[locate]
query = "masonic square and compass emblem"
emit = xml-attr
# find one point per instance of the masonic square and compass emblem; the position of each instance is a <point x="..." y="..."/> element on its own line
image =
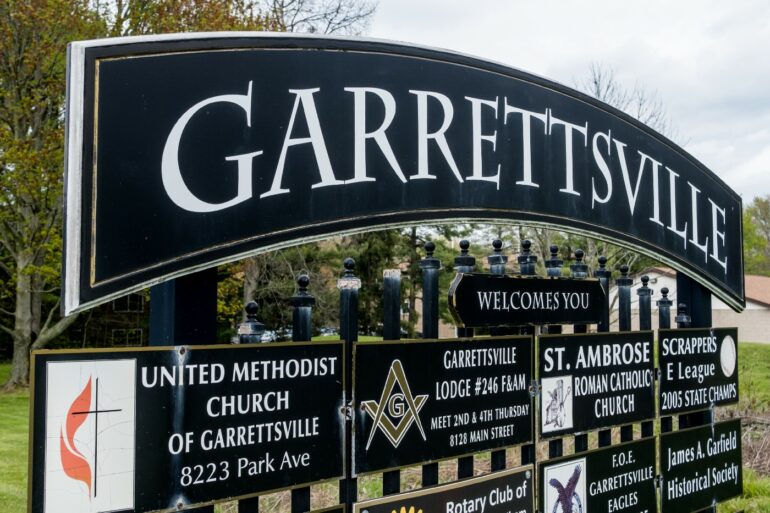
<point x="397" y="408"/>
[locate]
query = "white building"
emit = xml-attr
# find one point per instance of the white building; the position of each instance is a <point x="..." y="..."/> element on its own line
<point x="753" y="323"/>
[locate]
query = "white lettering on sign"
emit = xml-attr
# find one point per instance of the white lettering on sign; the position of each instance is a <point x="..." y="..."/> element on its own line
<point x="612" y="158"/>
<point x="612" y="354"/>
<point x="496" y="300"/>
<point x="172" y="175"/>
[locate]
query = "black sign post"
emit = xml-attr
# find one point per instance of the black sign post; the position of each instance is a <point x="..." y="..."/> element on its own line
<point x="171" y="428"/>
<point x="188" y="168"/>
<point x="698" y="368"/>
<point x="700" y="466"/>
<point x="480" y="300"/>
<point x="422" y="401"/>
<point x="509" y="491"/>
<point x="592" y="381"/>
<point x="620" y="478"/>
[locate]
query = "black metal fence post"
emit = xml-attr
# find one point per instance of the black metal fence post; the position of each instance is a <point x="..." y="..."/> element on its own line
<point x="604" y="275"/>
<point x="250" y="332"/>
<point x="553" y="270"/>
<point x="348" y="286"/>
<point x="302" y="331"/>
<point x="464" y="263"/>
<point x="527" y="263"/>
<point x="497" y="266"/>
<point x="391" y="304"/>
<point x="645" y="304"/>
<point x="497" y="263"/>
<point x="698" y="298"/>
<point x="391" y="330"/>
<point x="527" y="260"/>
<point x="664" y="310"/>
<point x="623" y="284"/>
<point x="682" y="319"/>
<point x="624" y="324"/>
<point x="430" y="268"/>
<point x="302" y="319"/>
<point x="497" y="260"/>
<point x="645" y="323"/>
<point x="183" y="311"/>
<point x="579" y="270"/>
<point x="664" y="323"/>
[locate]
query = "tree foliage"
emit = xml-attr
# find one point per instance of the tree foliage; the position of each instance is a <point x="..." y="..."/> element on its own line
<point x="33" y="42"/>
<point x="349" y="17"/>
<point x="756" y="236"/>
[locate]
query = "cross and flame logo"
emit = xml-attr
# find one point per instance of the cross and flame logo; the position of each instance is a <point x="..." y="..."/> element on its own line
<point x="90" y="436"/>
<point x="74" y="463"/>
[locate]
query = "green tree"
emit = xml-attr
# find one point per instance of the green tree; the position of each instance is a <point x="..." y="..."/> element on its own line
<point x="756" y="236"/>
<point x="33" y="41"/>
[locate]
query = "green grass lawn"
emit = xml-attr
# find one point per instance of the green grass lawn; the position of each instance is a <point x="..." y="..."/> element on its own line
<point x="754" y="377"/>
<point x="14" y="419"/>
<point x="14" y="422"/>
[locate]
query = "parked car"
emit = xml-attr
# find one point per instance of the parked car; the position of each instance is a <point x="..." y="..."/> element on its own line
<point x="269" y="336"/>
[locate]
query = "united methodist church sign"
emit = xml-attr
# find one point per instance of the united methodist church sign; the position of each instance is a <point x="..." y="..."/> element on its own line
<point x="191" y="150"/>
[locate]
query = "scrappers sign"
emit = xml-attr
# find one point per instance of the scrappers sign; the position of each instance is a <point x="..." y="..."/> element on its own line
<point x="187" y="151"/>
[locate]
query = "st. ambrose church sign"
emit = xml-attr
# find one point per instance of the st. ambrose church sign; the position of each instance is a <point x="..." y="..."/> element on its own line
<point x="191" y="150"/>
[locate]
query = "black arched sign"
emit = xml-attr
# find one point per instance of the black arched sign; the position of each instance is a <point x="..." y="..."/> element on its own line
<point x="192" y="150"/>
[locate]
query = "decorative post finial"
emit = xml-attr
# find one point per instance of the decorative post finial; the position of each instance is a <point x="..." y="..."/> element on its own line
<point x="554" y="263"/>
<point x="430" y="247"/>
<point x="302" y="282"/>
<point x="251" y="331"/>
<point x="579" y="269"/>
<point x="349" y="265"/>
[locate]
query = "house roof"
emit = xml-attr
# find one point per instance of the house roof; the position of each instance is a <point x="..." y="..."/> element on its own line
<point x="757" y="287"/>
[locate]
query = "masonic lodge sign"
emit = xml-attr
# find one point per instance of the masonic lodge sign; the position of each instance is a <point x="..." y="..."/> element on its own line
<point x="188" y="151"/>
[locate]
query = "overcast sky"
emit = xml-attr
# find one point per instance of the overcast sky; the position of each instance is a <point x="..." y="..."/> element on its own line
<point x="708" y="61"/>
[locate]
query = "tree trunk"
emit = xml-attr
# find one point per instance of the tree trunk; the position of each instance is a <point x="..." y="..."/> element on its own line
<point x="24" y="336"/>
<point x="22" y="331"/>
